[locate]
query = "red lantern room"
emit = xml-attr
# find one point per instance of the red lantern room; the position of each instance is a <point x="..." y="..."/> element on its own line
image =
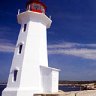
<point x="36" y="6"/>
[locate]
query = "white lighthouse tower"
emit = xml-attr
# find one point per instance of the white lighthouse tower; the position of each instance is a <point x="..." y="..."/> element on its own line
<point x="29" y="73"/>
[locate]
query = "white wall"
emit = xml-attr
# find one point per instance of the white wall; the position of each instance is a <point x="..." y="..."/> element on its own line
<point x="49" y="78"/>
<point x="55" y="80"/>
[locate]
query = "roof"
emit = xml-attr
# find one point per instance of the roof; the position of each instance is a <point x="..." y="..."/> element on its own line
<point x="36" y="1"/>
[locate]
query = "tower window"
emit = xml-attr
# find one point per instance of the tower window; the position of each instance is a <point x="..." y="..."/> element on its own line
<point x="15" y="75"/>
<point x="20" y="48"/>
<point x="37" y="7"/>
<point x="25" y="26"/>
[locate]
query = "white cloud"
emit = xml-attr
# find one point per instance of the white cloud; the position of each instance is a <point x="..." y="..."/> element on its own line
<point x="87" y="51"/>
<point x="6" y="46"/>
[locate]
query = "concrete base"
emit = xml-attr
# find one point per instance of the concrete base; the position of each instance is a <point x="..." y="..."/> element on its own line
<point x="9" y="92"/>
<point x="19" y="92"/>
<point x="49" y="83"/>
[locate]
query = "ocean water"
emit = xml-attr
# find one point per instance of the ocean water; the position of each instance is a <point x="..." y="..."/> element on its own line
<point x="64" y="88"/>
<point x="69" y="88"/>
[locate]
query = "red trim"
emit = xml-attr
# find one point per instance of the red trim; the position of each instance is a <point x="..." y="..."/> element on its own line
<point x="39" y="11"/>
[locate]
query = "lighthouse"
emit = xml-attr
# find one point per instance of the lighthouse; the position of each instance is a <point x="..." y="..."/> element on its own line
<point x="30" y="73"/>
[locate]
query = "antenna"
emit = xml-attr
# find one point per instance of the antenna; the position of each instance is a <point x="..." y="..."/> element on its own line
<point x="18" y="11"/>
<point x="50" y="16"/>
<point x="29" y="7"/>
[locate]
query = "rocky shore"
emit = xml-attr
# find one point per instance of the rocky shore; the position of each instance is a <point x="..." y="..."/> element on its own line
<point x="72" y="93"/>
<point x="80" y="93"/>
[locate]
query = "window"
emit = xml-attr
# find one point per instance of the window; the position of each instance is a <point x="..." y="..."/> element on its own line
<point x="20" y="48"/>
<point x="37" y="7"/>
<point x="25" y="26"/>
<point x="15" y="75"/>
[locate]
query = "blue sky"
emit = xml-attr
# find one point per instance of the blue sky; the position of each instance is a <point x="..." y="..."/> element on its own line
<point x="71" y="38"/>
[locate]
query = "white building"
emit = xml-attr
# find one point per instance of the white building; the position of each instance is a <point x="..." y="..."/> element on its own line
<point x="29" y="73"/>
